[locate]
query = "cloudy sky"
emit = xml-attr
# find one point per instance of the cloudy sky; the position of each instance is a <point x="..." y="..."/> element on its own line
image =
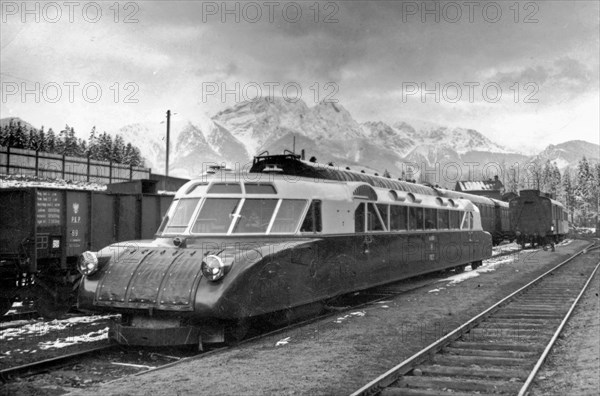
<point x="525" y="76"/>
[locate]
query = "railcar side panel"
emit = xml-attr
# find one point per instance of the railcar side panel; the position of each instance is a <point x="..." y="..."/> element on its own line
<point x="102" y="221"/>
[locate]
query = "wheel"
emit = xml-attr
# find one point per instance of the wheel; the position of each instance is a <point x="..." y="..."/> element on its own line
<point x="50" y="307"/>
<point x="459" y="269"/>
<point x="5" y="305"/>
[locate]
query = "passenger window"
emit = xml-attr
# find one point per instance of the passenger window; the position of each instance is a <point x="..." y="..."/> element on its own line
<point x="215" y="216"/>
<point x="225" y="188"/>
<point x="182" y="215"/>
<point x="255" y="216"/>
<point x="359" y="218"/>
<point x="455" y="219"/>
<point x="288" y="216"/>
<point x="373" y="222"/>
<point x="398" y="217"/>
<point x="415" y="218"/>
<point x="312" y="221"/>
<point x="443" y="219"/>
<point x="430" y="219"/>
<point x="383" y="212"/>
<point x="256" y="188"/>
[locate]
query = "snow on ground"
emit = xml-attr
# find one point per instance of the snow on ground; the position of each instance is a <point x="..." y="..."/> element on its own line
<point x="36" y="329"/>
<point x="353" y="314"/>
<point x="72" y="340"/>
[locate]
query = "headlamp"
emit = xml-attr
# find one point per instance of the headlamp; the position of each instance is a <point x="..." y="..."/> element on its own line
<point x="87" y="263"/>
<point x="213" y="267"/>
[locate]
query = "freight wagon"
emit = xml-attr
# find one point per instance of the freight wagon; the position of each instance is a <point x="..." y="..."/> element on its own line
<point x="44" y="230"/>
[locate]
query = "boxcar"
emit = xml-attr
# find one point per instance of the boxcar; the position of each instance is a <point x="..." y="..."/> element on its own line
<point x="537" y="219"/>
<point x="44" y="230"/>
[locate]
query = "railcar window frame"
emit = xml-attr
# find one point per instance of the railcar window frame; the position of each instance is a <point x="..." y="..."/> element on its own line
<point x="316" y="218"/>
<point x="171" y="213"/>
<point x="279" y="210"/>
<point x="394" y="217"/>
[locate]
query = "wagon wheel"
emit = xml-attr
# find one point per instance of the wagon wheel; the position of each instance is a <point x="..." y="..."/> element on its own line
<point x="5" y="304"/>
<point x="50" y="307"/>
<point x="459" y="269"/>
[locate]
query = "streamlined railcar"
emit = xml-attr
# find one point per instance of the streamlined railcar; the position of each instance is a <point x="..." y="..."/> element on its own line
<point x="537" y="219"/>
<point x="272" y="241"/>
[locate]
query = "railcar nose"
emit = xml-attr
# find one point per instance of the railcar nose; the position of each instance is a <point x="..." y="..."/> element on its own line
<point x="158" y="278"/>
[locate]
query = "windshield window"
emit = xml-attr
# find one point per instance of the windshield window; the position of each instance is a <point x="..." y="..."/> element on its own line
<point x="255" y="216"/>
<point x="179" y="220"/>
<point x="288" y="216"/>
<point x="215" y="216"/>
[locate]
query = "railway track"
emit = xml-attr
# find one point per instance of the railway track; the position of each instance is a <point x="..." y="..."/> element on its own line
<point x="49" y="364"/>
<point x="500" y="350"/>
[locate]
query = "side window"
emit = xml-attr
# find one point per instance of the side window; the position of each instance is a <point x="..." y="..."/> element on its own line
<point x="430" y="219"/>
<point x="443" y="219"/>
<point x="359" y="218"/>
<point x="455" y="217"/>
<point x="383" y="211"/>
<point x="398" y="217"/>
<point x="288" y="216"/>
<point x="415" y="218"/>
<point x="373" y="222"/>
<point x="312" y="221"/>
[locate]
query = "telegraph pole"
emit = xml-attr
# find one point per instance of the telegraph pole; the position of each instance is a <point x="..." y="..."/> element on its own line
<point x="168" y="140"/>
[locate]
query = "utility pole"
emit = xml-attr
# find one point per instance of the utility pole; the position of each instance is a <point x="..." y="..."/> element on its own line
<point x="168" y="140"/>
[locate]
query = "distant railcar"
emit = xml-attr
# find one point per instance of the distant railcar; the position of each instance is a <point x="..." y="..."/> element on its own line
<point x="537" y="219"/>
<point x="276" y="240"/>
<point x="44" y="230"/>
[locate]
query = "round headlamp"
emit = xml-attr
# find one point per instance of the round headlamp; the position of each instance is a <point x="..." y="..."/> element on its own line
<point x="213" y="268"/>
<point x="87" y="263"/>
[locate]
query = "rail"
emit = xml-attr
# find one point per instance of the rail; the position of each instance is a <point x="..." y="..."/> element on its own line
<point x="405" y="367"/>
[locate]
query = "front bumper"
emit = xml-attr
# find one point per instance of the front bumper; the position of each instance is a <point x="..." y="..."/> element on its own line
<point x="170" y="336"/>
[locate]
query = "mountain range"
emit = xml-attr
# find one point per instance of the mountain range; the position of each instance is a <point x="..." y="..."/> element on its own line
<point x="327" y="131"/>
<point x="406" y="148"/>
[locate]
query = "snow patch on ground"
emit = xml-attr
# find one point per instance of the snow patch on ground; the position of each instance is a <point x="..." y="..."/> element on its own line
<point x="101" y="334"/>
<point x="34" y="328"/>
<point x="353" y="314"/>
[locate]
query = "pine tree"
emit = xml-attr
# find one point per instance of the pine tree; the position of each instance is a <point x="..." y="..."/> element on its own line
<point x="568" y="193"/>
<point x="42" y="140"/>
<point x="51" y="143"/>
<point x="118" y="149"/>
<point x="19" y="136"/>
<point x="584" y="189"/>
<point x="33" y="140"/>
<point x="4" y="135"/>
<point x="92" y="149"/>
<point x="105" y="147"/>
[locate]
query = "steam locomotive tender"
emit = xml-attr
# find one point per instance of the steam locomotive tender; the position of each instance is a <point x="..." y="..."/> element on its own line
<point x="283" y="237"/>
<point x="537" y="219"/>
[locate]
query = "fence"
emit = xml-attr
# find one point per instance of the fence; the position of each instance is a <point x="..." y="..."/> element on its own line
<point x="55" y="166"/>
